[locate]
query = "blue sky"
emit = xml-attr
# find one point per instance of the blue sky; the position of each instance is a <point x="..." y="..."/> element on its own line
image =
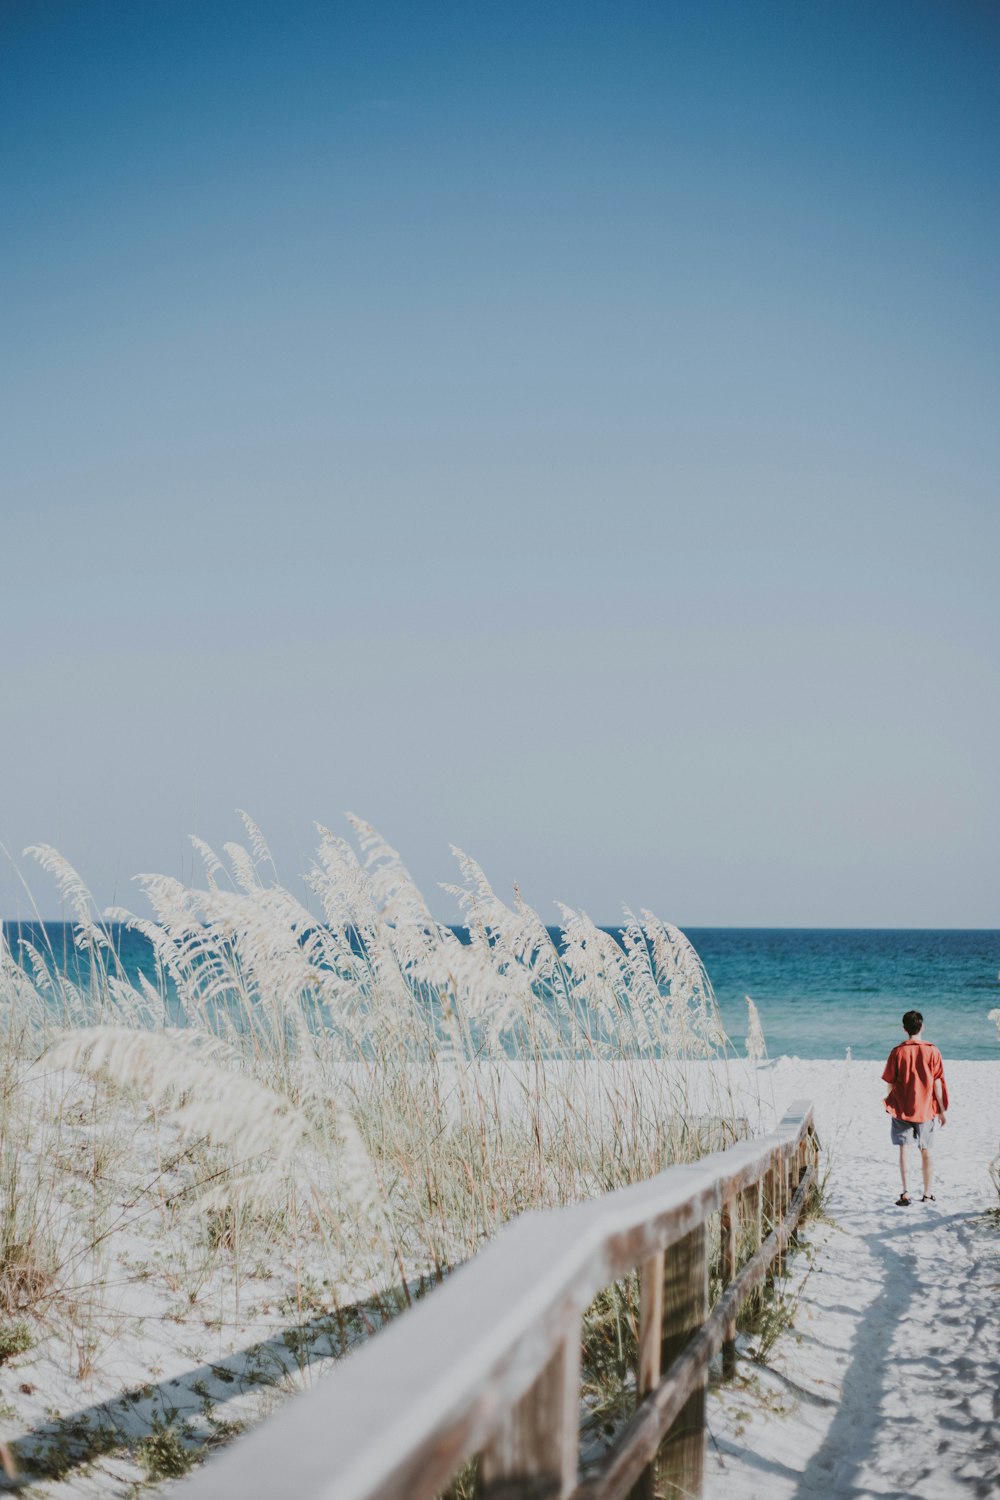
<point x="567" y="431"/>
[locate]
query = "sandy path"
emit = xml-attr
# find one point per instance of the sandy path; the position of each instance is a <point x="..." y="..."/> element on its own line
<point x="889" y="1383"/>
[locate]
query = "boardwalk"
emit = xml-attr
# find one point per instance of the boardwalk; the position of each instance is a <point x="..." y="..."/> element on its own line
<point x="890" y="1384"/>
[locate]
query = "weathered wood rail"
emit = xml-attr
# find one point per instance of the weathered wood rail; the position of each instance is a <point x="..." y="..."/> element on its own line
<point x="490" y="1362"/>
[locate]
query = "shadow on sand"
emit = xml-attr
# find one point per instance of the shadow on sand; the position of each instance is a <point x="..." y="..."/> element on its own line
<point x="876" y="1371"/>
<point x="166" y="1427"/>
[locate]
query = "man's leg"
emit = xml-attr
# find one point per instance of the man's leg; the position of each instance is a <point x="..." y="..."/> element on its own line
<point x="927" y="1167"/>
<point x="902" y="1165"/>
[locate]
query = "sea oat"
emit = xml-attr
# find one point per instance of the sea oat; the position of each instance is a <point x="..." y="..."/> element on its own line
<point x="756" y="1046"/>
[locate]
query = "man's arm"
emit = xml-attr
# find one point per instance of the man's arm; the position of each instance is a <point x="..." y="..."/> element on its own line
<point x="939" y="1096"/>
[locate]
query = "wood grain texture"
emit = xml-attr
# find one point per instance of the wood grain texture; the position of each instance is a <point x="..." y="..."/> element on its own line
<point x="650" y="1324"/>
<point x="533" y="1452"/>
<point x="398" y="1417"/>
<point x="650" y="1352"/>
<point x="728" y="1236"/>
<point x="617" y="1472"/>
<point x="751" y="1214"/>
<point x="680" y="1464"/>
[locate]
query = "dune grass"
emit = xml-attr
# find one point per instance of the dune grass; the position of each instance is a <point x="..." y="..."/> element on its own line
<point x="344" y="1089"/>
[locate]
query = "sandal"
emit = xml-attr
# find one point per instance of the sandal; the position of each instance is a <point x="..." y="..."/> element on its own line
<point x="928" y="1198"/>
<point x="904" y="1200"/>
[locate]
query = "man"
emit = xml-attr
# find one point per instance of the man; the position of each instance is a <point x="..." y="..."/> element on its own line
<point x="917" y="1100"/>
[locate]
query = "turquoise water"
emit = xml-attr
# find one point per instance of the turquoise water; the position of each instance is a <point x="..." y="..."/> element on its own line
<point x="818" y="992"/>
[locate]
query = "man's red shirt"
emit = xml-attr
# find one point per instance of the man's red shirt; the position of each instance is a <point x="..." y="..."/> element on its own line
<point x="910" y="1072"/>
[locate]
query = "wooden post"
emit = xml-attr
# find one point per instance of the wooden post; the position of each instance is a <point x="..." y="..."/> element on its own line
<point x="768" y="1208"/>
<point x="799" y="1164"/>
<point x="650" y="1353"/>
<point x="681" y="1460"/>
<point x="781" y="1164"/>
<point x="812" y="1152"/>
<point x="727" y="1268"/>
<point x="751" y="1214"/>
<point x="650" y="1324"/>
<point x="533" y="1455"/>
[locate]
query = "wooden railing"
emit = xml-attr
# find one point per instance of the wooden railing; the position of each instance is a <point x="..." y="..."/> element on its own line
<point x="489" y="1364"/>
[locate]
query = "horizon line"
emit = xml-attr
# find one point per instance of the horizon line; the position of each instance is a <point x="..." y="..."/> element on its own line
<point x="610" y="926"/>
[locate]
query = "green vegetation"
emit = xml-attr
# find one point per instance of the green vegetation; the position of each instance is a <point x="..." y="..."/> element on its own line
<point x="15" y="1339"/>
<point x="164" y="1455"/>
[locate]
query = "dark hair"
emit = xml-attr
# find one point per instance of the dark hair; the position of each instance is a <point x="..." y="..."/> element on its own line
<point x="912" y="1022"/>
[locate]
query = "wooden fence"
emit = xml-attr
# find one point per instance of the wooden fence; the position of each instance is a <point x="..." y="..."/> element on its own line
<point x="489" y="1364"/>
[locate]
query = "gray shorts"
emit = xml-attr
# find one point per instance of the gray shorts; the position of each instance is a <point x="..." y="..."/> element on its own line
<point x="913" y="1133"/>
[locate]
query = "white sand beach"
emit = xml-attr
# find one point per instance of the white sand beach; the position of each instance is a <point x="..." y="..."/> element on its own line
<point x="888" y="1384"/>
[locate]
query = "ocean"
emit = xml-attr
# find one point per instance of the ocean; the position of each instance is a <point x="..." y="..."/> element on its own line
<point x="818" y="992"/>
